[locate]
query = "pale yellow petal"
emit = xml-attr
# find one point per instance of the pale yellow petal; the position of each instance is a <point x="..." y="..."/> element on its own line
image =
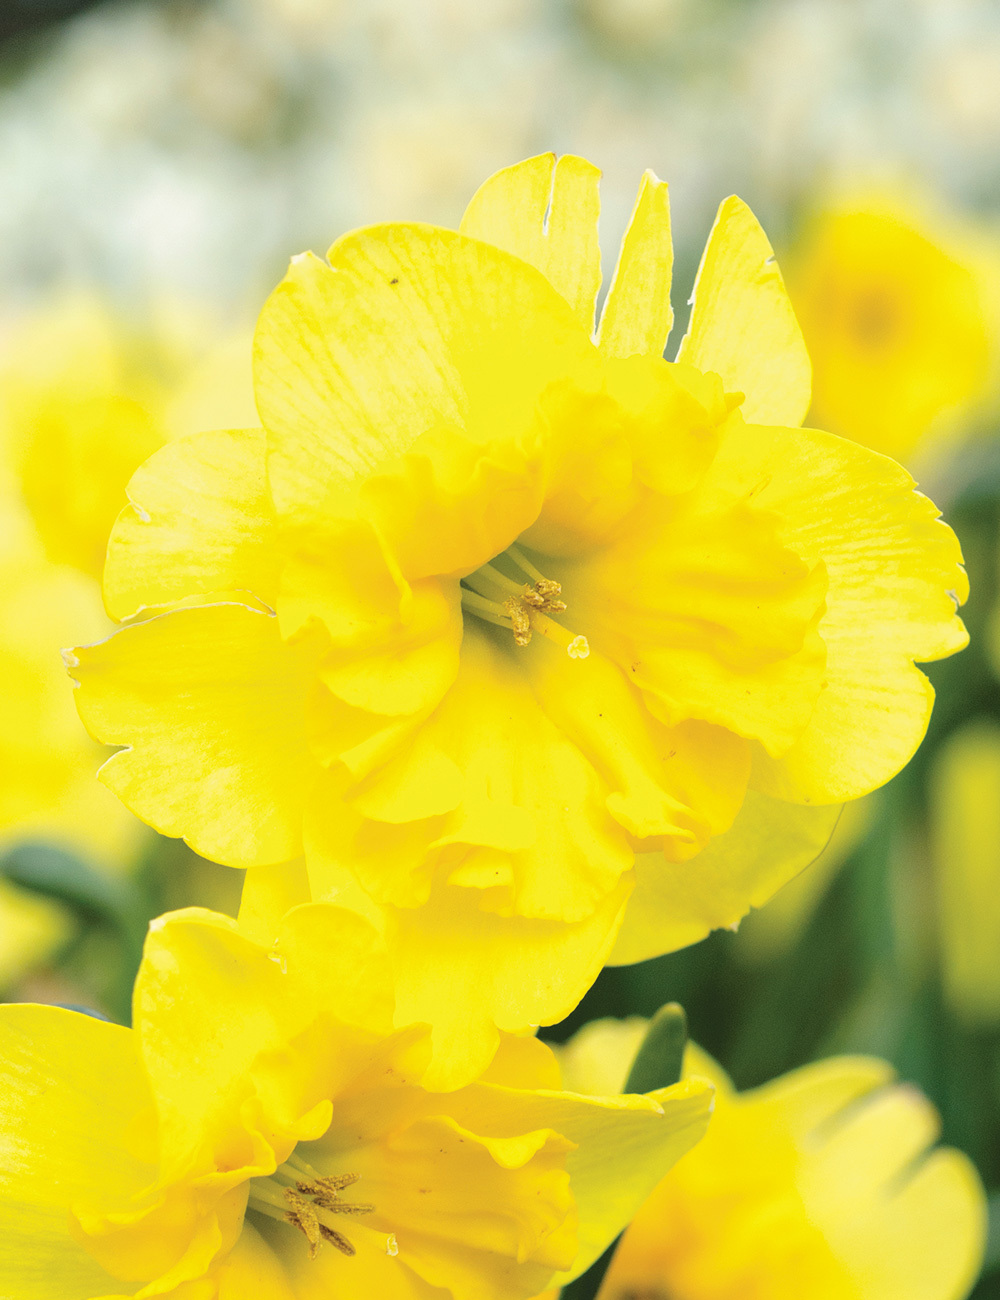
<point x="199" y="522"/>
<point x="544" y="210"/>
<point x="904" y="1222"/>
<point x="637" y="315"/>
<point x="743" y="326"/>
<point x="676" y="904"/>
<point x="211" y="705"/>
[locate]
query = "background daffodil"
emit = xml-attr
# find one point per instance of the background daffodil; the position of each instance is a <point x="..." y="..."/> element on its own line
<point x="823" y="1183"/>
<point x="263" y="1131"/>
<point x="495" y="602"/>
<point x="897" y="311"/>
<point x="86" y="393"/>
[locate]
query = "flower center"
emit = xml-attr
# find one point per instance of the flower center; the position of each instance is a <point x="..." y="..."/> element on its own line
<point x="522" y="604"/>
<point x="298" y="1195"/>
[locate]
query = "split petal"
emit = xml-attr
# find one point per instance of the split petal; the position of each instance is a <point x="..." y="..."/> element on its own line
<point x="743" y="326"/>
<point x="895" y="578"/>
<point x="544" y="210"/>
<point x="199" y="522"/>
<point x="637" y="316"/>
<point x="212" y="706"/>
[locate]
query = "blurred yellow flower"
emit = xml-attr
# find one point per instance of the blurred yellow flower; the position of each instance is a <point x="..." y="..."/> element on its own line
<point x="263" y="1132"/>
<point x="821" y="1184"/>
<point x="494" y="603"/>
<point x="965" y="846"/>
<point x="84" y="399"/>
<point x="897" y="316"/>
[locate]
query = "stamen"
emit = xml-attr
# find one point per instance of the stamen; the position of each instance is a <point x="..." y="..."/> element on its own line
<point x="487" y="609"/>
<point x="520" y="621"/>
<point x="577" y="647"/>
<point x="526" y="606"/>
<point x="337" y="1239"/>
<point x="301" y="1205"/>
<point x="303" y="1216"/>
<point x="524" y="564"/>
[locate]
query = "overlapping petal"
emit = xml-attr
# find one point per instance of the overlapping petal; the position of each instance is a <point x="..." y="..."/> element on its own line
<point x="407" y="330"/>
<point x="677" y="904"/>
<point x="895" y="578"/>
<point x="200" y="522"/>
<point x="212" y="704"/>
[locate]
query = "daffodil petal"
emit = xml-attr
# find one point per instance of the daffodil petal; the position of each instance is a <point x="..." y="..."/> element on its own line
<point x="713" y="616"/>
<point x="637" y="315"/>
<point x="521" y="1185"/>
<point x="467" y="972"/>
<point x="245" y="1005"/>
<point x="408" y="329"/>
<point x="904" y="1221"/>
<point x="743" y="326"/>
<point x="816" y="1184"/>
<point x="544" y="210"/>
<point x="895" y="577"/>
<point x="684" y="784"/>
<point x="676" y="904"/>
<point x="252" y="1268"/>
<point x="624" y="1146"/>
<point x="199" y="521"/>
<point x="927" y="1237"/>
<point x="212" y="706"/>
<point x="71" y="1097"/>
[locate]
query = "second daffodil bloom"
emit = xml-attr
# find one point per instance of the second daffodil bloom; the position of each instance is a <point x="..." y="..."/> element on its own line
<point x="263" y="1133"/>
<point x="824" y="1183"/>
<point x="496" y="601"/>
<point x="897" y="314"/>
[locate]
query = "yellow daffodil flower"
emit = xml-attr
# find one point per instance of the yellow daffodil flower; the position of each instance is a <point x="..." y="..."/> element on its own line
<point x="895" y="309"/>
<point x="264" y="1132"/>
<point x="496" y="601"/>
<point x="822" y="1184"/>
<point x="965" y="849"/>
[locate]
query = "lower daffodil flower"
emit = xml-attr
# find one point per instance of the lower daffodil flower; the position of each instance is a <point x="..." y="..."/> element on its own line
<point x="263" y="1132"/>
<point x="496" y="602"/>
<point x="822" y="1184"/>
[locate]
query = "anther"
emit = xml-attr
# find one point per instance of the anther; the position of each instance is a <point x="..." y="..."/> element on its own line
<point x="337" y="1239"/>
<point x="520" y="621"/>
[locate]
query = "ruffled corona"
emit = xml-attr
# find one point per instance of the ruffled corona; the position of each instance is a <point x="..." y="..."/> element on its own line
<point x="496" y="602"/>
<point x="264" y="1132"/>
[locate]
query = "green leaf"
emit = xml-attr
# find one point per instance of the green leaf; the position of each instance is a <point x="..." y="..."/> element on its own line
<point x="659" y="1061"/>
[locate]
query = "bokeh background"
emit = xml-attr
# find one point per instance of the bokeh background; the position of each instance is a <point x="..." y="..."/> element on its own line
<point x="159" y="163"/>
